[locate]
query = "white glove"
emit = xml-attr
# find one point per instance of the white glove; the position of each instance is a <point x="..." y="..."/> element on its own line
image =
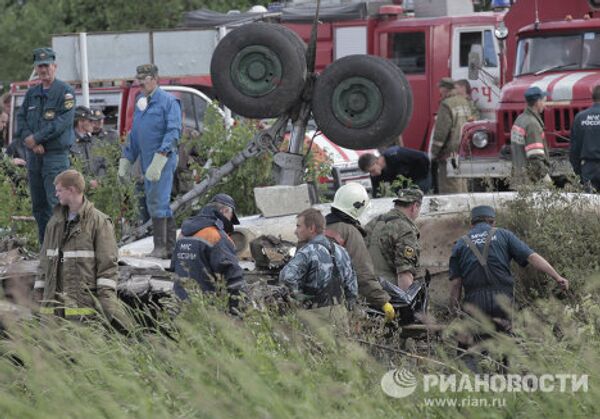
<point x="124" y="168"/>
<point x="156" y="166"/>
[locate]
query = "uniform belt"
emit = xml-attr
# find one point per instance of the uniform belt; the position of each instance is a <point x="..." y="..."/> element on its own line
<point x="68" y="311"/>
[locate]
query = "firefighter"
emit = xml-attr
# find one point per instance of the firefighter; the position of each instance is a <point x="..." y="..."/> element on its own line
<point x="154" y="137"/>
<point x="205" y="251"/>
<point x="529" y="150"/>
<point x="585" y="144"/>
<point x="78" y="260"/>
<point x="86" y="146"/>
<point x="393" y="239"/>
<point x="45" y="121"/>
<point x="453" y="113"/>
<point x="480" y="264"/>
<point x="463" y="88"/>
<point x="320" y="274"/>
<point x="397" y="161"/>
<point x="349" y="203"/>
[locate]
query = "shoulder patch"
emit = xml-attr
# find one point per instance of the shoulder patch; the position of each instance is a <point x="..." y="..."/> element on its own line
<point x="209" y="234"/>
<point x="69" y="101"/>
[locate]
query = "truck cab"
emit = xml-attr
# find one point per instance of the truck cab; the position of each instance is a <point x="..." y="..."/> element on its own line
<point x="561" y="57"/>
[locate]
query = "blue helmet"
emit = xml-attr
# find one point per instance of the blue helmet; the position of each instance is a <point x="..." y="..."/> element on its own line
<point x="500" y="3"/>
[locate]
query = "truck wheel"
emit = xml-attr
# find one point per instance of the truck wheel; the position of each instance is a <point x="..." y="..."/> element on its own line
<point x="361" y="101"/>
<point x="259" y="70"/>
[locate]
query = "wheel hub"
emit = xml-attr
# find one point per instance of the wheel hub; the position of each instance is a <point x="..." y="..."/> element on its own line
<point x="357" y="102"/>
<point x="256" y="70"/>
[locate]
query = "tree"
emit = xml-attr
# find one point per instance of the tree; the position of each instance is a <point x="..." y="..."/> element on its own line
<point x="25" y="25"/>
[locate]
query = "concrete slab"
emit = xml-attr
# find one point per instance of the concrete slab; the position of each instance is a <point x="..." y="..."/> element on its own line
<point x="276" y="201"/>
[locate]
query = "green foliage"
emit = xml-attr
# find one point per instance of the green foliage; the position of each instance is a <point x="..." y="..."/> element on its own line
<point x="25" y="25"/>
<point x="111" y="196"/>
<point x="16" y="202"/>
<point x="563" y="228"/>
<point x="274" y="367"/>
<point x="216" y="146"/>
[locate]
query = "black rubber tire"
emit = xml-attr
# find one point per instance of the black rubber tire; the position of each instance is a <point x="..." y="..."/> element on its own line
<point x="393" y="88"/>
<point x="284" y="92"/>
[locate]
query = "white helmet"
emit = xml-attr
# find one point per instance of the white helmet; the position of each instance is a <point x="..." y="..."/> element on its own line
<point x="258" y="9"/>
<point x="352" y="199"/>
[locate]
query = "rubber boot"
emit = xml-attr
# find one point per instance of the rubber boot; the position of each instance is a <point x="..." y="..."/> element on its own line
<point x="171" y="236"/>
<point x="159" y="225"/>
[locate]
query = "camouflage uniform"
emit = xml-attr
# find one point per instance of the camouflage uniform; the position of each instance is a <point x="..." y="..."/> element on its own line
<point x="393" y="241"/>
<point x="529" y="149"/>
<point x="311" y="273"/>
<point x="454" y="112"/>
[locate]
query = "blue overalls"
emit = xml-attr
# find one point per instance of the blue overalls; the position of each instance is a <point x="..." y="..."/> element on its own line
<point x="156" y="129"/>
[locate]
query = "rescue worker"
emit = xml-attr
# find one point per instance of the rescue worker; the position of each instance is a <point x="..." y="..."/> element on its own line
<point x="320" y="274"/>
<point x="585" y="144"/>
<point x="480" y="264"/>
<point x="154" y="137"/>
<point x="86" y="146"/>
<point x="393" y="239"/>
<point x="78" y="260"/>
<point x="45" y="121"/>
<point x="204" y="252"/>
<point x="453" y="113"/>
<point x="349" y="203"/>
<point x="530" y="158"/>
<point x="463" y="88"/>
<point x="396" y="161"/>
<point x="97" y="117"/>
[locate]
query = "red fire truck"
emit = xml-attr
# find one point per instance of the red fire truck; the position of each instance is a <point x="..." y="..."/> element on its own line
<point x="425" y="42"/>
<point x="555" y="47"/>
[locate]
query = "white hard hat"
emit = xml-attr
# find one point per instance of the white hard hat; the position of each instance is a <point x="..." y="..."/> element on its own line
<point x="352" y="199"/>
<point x="258" y="9"/>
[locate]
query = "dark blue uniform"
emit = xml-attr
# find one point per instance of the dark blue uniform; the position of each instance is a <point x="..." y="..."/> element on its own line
<point x="48" y="115"/>
<point x="481" y="290"/>
<point x="205" y="252"/>
<point x="585" y="146"/>
<point x="401" y="161"/>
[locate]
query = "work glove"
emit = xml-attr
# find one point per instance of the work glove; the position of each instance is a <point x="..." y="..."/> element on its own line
<point x="155" y="169"/>
<point x="390" y="313"/>
<point x="124" y="168"/>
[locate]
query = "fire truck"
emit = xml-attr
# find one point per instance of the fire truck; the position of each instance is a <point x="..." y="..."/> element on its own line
<point x="427" y="41"/>
<point x="555" y="47"/>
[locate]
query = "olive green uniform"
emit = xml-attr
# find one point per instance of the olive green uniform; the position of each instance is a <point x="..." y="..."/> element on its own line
<point x="529" y="150"/>
<point x="368" y="285"/>
<point x="78" y="264"/>
<point x="393" y="242"/>
<point x="454" y="112"/>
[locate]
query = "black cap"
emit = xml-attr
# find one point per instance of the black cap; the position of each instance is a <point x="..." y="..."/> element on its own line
<point x="96" y="114"/>
<point x="43" y="56"/>
<point x="534" y="93"/>
<point x="224" y="199"/>
<point x="483" y="211"/>
<point x="82" y="112"/>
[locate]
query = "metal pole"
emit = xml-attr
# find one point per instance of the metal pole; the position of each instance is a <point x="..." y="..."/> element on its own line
<point x="228" y="117"/>
<point x="85" y="87"/>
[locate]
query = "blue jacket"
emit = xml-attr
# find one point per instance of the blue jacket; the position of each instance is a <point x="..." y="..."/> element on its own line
<point x="203" y="252"/>
<point x="48" y="116"/>
<point x="480" y="290"/>
<point x="156" y="129"/>
<point x="585" y="137"/>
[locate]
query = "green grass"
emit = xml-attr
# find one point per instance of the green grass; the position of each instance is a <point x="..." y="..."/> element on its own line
<point x="272" y="367"/>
